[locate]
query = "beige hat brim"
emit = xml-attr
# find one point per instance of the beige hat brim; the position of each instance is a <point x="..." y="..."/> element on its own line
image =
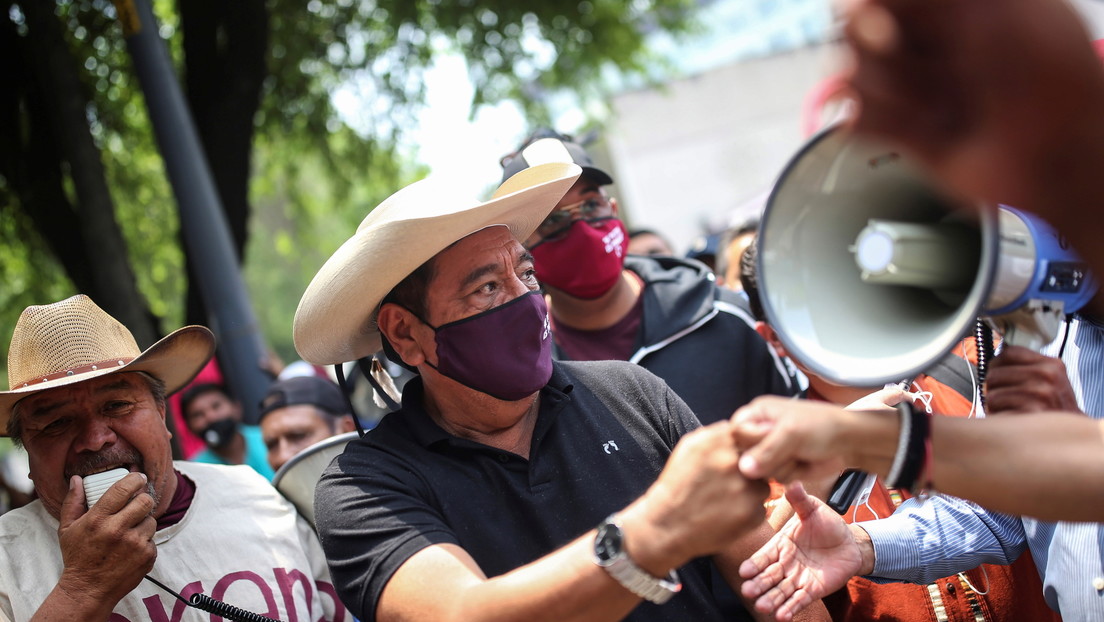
<point x="175" y="360"/>
<point x="335" y="321"/>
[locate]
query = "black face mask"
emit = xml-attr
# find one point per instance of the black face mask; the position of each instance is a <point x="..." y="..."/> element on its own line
<point x="220" y="433"/>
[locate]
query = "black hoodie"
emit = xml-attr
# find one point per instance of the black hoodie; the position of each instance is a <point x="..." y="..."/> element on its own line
<point x="700" y="339"/>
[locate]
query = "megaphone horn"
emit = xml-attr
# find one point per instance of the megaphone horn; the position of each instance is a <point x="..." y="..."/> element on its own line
<point x="869" y="273"/>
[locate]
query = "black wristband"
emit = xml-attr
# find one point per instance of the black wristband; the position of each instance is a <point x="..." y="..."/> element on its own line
<point x="915" y="446"/>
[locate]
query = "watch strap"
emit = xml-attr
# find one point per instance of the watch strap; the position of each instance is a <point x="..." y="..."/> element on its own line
<point x="636" y="579"/>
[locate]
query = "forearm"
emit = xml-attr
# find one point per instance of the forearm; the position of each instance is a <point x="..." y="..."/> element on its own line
<point x="1039" y="465"/>
<point x="444" y="583"/>
<point x="938" y="537"/>
<point x="868" y="439"/>
<point x="565" y="585"/>
<point x="66" y="603"/>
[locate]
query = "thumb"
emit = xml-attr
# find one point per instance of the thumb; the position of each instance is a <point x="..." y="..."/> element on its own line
<point x="73" y="506"/>
<point x="802" y="503"/>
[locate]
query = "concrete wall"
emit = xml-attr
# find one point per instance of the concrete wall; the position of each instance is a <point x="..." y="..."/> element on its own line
<point x="686" y="156"/>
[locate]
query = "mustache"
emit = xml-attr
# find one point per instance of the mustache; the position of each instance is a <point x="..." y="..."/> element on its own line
<point x="98" y="461"/>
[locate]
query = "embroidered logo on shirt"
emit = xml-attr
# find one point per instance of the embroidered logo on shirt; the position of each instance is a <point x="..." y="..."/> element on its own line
<point x="606" y="446"/>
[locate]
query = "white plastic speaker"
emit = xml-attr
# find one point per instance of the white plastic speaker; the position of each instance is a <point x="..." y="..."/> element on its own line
<point x="869" y="273"/>
<point x="96" y="485"/>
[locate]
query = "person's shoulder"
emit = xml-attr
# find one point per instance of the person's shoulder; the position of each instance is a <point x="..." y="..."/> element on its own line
<point x="601" y="369"/>
<point x="653" y="268"/>
<point x="612" y="375"/>
<point x="15" y="523"/>
<point x="241" y="474"/>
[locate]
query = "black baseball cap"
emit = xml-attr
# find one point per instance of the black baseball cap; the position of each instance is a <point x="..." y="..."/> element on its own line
<point x="553" y="149"/>
<point x="312" y="390"/>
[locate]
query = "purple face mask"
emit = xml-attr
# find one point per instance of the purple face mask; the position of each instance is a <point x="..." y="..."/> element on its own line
<point x="505" y="352"/>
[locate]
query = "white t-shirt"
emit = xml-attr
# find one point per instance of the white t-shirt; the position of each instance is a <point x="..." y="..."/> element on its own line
<point x="239" y="542"/>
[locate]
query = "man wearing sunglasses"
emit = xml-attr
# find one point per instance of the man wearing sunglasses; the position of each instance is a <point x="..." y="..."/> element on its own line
<point x="663" y="313"/>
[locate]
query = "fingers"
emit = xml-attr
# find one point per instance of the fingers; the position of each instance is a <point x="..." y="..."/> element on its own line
<point x="784" y="599"/>
<point x="881" y="399"/>
<point x="1022" y="380"/>
<point x="788" y="439"/>
<point x="127" y="501"/>
<point x="72" y="507"/>
<point x="701" y="501"/>
<point x="761" y="585"/>
<point x="754" y="427"/>
<point x="121" y="492"/>
<point x="761" y="568"/>
<point x="794" y="605"/>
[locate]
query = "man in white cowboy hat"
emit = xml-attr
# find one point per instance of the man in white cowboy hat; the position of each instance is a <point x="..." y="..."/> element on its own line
<point x="508" y="486"/>
<point x="83" y="400"/>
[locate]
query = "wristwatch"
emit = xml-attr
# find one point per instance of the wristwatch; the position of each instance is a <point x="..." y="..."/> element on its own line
<point x="609" y="553"/>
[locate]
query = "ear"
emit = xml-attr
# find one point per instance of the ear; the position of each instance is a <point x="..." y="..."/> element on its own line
<point x="400" y="327"/>
<point x="771" y="337"/>
<point x="613" y="206"/>
<point x="346" y="424"/>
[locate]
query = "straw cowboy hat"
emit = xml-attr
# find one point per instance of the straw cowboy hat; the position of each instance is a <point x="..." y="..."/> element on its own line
<point x="74" y="340"/>
<point x="336" y="318"/>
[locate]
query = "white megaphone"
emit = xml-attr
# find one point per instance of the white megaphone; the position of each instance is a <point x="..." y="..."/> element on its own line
<point x="870" y="274"/>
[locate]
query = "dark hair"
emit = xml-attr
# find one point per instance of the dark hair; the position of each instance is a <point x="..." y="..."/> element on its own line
<point x="412" y="294"/>
<point x="15" y="421"/>
<point x="749" y="277"/>
<point x="720" y="264"/>
<point x="194" y="391"/>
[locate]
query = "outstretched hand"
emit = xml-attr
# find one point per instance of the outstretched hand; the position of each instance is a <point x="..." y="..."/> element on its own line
<point x="812" y="556"/>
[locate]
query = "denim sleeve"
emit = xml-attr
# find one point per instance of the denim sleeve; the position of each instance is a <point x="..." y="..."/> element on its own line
<point x="941" y="536"/>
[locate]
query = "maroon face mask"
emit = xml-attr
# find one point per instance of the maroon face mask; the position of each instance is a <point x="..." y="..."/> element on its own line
<point x="505" y="352"/>
<point x="587" y="261"/>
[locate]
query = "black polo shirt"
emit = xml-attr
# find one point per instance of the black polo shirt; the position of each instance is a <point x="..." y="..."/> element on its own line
<point x="603" y="433"/>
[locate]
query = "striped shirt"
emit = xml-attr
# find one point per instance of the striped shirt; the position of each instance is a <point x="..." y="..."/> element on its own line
<point x="922" y="542"/>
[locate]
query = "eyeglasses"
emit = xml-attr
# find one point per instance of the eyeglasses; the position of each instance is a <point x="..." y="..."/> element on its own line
<point x="559" y="221"/>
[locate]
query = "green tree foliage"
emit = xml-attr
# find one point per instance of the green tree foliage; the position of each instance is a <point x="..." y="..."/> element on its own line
<point x="81" y="181"/>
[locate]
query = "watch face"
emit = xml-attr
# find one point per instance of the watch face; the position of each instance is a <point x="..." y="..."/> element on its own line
<point x="607" y="544"/>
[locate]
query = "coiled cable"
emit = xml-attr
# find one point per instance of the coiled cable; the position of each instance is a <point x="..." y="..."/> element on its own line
<point x="210" y="605"/>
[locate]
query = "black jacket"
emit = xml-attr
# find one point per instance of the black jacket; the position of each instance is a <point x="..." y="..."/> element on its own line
<point x="700" y="339"/>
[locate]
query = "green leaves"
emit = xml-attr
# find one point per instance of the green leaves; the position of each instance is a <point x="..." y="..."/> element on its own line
<point x="312" y="177"/>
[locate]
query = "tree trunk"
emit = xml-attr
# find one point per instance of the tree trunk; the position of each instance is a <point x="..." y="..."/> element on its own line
<point x="86" y="237"/>
<point x="225" y="44"/>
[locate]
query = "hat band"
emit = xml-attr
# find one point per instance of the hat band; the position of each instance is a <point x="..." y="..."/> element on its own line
<point x="84" y="369"/>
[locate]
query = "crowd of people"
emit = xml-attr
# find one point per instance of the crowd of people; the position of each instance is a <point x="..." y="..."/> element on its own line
<point x="589" y="433"/>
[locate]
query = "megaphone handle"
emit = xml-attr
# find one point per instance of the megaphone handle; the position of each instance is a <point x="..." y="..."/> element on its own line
<point x="846" y="489"/>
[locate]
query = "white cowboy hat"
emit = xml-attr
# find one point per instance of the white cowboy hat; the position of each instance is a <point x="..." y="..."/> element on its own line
<point x="74" y="340"/>
<point x="336" y="318"/>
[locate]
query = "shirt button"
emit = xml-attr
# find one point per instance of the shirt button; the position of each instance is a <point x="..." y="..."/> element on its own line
<point x="950" y="588"/>
<point x="1098" y="584"/>
<point x="503" y="458"/>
